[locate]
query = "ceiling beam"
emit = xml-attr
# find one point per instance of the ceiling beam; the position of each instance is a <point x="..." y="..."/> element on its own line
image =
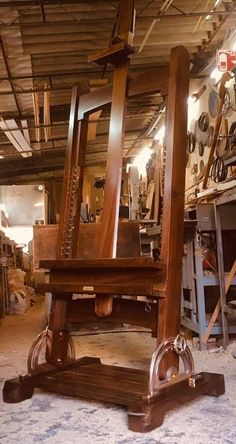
<point x="25" y="3"/>
<point x="16" y="92"/>
<point x="111" y="20"/>
<point x="65" y="123"/>
<point x="68" y="74"/>
<point x="9" y="76"/>
<point x="51" y="74"/>
<point x="45" y="166"/>
<point x="32" y="178"/>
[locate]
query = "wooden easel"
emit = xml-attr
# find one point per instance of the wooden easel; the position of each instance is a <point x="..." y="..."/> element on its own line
<point x="113" y="269"/>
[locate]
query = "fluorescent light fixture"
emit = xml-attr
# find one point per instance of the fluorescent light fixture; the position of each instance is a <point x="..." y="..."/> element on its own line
<point x="16" y="137"/>
<point x="160" y="134"/>
<point x="141" y="160"/>
<point x="1" y="157"/>
<point x="208" y="17"/>
<point x="217" y="3"/>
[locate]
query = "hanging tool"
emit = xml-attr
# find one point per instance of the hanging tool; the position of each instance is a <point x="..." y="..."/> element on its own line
<point x="222" y="91"/>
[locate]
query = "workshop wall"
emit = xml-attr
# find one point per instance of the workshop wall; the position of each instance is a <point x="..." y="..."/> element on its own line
<point x="207" y="103"/>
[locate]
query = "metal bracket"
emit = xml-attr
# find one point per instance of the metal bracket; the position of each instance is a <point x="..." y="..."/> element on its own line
<point x="38" y="348"/>
<point x="179" y="346"/>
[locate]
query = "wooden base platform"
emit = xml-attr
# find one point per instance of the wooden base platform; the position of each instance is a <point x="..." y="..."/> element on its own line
<point x="89" y="378"/>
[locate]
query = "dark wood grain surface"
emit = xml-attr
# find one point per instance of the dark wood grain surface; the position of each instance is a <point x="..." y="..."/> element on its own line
<point x="45" y="239"/>
<point x="118" y="385"/>
<point x="173" y="209"/>
<point x="114" y="263"/>
<point x="126" y="311"/>
<point x="153" y="80"/>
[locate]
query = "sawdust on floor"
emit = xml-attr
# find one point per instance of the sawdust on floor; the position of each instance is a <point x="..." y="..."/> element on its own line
<point x="53" y="419"/>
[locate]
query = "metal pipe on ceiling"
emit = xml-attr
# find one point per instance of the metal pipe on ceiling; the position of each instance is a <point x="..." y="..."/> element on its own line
<point x="16" y="92"/>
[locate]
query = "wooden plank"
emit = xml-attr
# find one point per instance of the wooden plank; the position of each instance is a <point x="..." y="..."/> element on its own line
<point x="106" y="276"/>
<point x="173" y="210"/>
<point x="112" y="54"/>
<point x="220" y="260"/>
<point x="124" y="311"/>
<point x="35" y="99"/>
<point x="111" y="202"/>
<point x="132" y="262"/>
<point x="119" y="385"/>
<point x="92" y="129"/>
<point x="154" y="80"/>
<point x="230" y="277"/>
<point x="46" y="112"/>
<point x="139" y="376"/>
<point x="125" y="23"/>
<point x="112" y="289"/>
<point x="112" y="388"/>
<point x="216" y="312"/>
<point x="150" y="81"/>
<point x="110" y="213"/>
<point x="45" y="240"/>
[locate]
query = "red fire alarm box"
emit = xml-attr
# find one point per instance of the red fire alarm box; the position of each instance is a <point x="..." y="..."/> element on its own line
<point x="226" y="60"/>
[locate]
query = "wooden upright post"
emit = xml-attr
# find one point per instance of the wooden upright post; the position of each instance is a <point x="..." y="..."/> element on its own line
<point x="111" y="203"/>
<point x="173" y="211"/>
<point x="73" y="182"/>
<point x="110" y="214"/>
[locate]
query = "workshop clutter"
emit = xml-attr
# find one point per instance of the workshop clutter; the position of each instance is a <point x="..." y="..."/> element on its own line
<point x="19" y="300"/>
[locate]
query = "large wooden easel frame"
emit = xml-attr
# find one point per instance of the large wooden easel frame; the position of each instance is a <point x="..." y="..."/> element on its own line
<point x="148" y="395"/>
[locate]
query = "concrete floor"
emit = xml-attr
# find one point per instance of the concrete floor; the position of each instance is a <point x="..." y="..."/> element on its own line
<point x="51" y="419"/>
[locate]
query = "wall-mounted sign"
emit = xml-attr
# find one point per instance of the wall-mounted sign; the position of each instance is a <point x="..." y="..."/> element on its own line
<point x="226" y="60"/>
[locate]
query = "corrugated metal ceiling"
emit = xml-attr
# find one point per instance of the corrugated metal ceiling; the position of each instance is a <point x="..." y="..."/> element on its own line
<point x="49" y="42"/>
